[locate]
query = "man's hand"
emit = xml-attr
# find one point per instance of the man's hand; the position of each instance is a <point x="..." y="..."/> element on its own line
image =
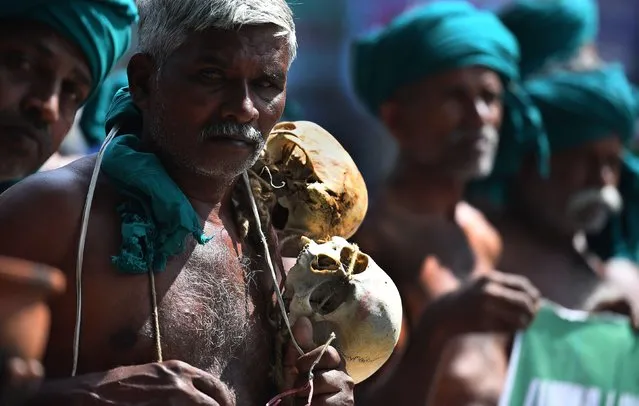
<point x="492" y="302"/>
<point x="331" y="385"/>
<point x="173" y="383"/>
<point x="609" y="298"/>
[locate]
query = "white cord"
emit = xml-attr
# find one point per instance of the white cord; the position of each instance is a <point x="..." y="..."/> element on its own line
<point x="81" y="243"/>
<point x="267" y="253"/>
<point x="156" y="317"/>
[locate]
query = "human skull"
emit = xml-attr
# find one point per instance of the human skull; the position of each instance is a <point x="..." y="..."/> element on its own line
<point x="319" y="191"/>
<point x="342" y="290"/>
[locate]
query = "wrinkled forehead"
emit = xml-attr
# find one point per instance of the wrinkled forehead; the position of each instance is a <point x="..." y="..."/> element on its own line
<point x="262" y="45"/>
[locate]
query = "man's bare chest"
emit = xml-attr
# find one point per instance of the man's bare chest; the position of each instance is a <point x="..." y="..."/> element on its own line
<point x="209" y="309"/>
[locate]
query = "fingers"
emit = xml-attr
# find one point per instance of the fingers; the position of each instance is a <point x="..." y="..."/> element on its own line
<point x="327" y="384"/>
<point x="330" y="360"/>
<point x="512" y="299"/>
<point x="303" y="333"/>
<point x="212" y="391"/>
<point x="213" y="388"/>
<point x="515" y="282"/>
<point x="504" y="318"/>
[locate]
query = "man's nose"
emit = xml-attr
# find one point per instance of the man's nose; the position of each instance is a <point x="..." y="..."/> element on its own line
<point x="607" y="176"/>
<point x="478" y="114"/>
<point x="239" y="105"/>
<point x="45" y="102"/>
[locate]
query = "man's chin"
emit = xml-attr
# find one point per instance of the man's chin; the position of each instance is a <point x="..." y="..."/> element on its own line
<point x="11" y="169"/>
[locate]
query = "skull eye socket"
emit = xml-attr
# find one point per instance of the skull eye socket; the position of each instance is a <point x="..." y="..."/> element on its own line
<point x="325" y="263"/>
<point x="328" y="296"/>
<point x="361" y="261"/>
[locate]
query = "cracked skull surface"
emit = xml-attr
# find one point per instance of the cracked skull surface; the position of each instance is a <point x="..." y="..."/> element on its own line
<point x="319" y="191"/>
<point x="342" y="290"/>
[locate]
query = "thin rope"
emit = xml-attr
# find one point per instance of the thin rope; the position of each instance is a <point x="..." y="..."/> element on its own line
<point x="156" y="318"/>
<point x="81" y="244"/>
<point x="267" y="253"/>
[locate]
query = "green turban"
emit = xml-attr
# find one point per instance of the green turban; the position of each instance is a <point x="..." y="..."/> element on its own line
<point x="550" y="30"/>
<point x="578" y="107"/>
<point x="101" y="28"/>
<point x="428" y="40"/>
<point x="446" y="35"/>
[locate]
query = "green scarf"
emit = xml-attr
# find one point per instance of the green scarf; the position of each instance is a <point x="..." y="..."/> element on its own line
<point x="156" y="216"/>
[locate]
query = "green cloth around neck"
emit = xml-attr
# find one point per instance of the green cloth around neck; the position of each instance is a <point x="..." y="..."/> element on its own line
<point x="101" y="28"/>
<point x="550" y="31"/>
<point x="156" y="215"/>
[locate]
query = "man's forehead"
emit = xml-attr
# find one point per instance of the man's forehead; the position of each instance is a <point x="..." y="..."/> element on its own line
<point x="48" y="43"/>
<point x="259" y="43"/>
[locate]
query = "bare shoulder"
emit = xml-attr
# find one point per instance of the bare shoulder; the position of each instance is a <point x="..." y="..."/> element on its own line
<point x="481" y="234"/>
<point x="41" y="214"/>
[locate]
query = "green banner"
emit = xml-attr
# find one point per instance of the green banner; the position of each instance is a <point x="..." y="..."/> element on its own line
<point x="572" y="358"/>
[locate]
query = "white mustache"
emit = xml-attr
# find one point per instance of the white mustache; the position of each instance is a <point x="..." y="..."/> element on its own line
<point x="608" y="196"/>
<point x="488" y="134"/>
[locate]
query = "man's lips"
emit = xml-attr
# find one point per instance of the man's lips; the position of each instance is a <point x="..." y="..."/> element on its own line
<point x="23" y="131"/>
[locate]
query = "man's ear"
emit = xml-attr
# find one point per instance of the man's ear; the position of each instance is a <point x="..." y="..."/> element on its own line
<point x="141" y="71"/>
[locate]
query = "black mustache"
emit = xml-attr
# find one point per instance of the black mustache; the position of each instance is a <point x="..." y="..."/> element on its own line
<point x="240" y="132"/>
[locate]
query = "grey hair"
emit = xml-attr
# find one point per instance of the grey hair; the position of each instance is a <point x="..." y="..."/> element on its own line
<point x="165" y="24"/>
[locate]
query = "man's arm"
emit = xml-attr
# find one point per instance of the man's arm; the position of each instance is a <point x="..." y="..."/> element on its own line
<point x="38" y="218"/>
<point x="420" y="359"/>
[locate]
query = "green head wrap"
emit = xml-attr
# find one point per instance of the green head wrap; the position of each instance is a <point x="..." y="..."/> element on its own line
<point x="550" y="30"/>
<point x="101" y="28"/>
<point x="428" y="40"/>
<point x="156" y="215"/>
<point x="578" y="107"/>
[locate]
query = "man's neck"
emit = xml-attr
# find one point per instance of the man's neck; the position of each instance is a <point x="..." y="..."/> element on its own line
<point x="425" y="189"/>
<point x="206" y="193"/>
<point x="543" y="234"/>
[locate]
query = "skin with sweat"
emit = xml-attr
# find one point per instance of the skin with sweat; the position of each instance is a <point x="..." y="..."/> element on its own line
<point x="213" y="299"/>
<point x="44" y="79"/>
<point x="439" y="250"/>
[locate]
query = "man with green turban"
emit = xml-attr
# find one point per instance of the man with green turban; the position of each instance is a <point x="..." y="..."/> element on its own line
<point x="53" y="55"/>
<point x="442" y="78"/>
<point x="588" y="117"/>
<point x="553" y="34"/>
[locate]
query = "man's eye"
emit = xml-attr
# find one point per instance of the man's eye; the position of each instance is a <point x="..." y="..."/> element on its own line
<point x="18" y="61"/>
<point x="210" y="74"/>
<point x="73" y="93"/>
<point x="265" y="84"/>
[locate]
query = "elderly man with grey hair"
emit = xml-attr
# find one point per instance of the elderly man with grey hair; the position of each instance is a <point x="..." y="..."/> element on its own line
<point x="172" y="303"/>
